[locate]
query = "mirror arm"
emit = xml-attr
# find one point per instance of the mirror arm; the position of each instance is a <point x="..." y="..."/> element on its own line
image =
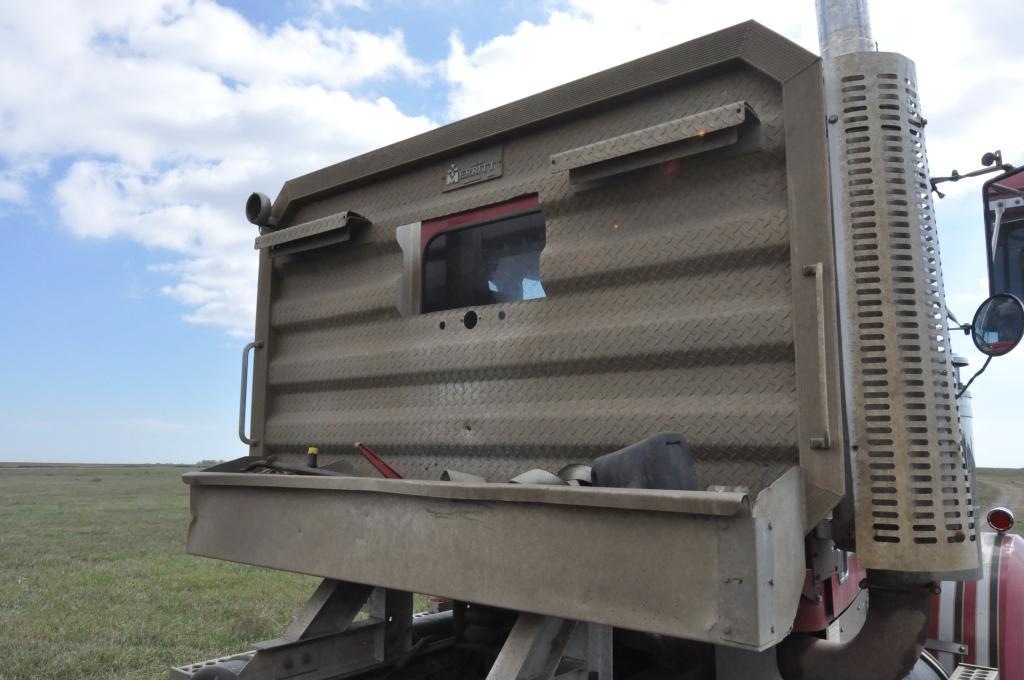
<point x="956" y="176"/>
<point x="965" y="327"/>
<point x="968" y="383"/>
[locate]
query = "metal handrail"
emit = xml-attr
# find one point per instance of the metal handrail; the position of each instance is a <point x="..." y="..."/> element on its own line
<point x="245" y="388"/>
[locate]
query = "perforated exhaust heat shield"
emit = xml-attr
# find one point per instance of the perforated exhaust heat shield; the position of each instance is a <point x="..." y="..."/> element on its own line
<point x="914" y="486"/>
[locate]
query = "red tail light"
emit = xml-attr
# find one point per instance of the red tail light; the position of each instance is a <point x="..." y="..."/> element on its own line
<point x="1000" y="519"/>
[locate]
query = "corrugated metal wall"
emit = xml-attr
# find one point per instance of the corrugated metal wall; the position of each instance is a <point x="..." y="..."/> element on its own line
<point x="669" y="308"/>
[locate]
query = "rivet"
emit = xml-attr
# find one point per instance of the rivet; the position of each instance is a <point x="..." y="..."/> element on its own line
<point x="833" y="118"/>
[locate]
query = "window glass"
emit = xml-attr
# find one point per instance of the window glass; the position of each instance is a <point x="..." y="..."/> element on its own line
<point x="1008" y="264"/>
<point x="484" y="264"/>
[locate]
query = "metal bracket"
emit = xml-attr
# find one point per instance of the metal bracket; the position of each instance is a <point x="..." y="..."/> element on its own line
<point x="698" y="133"/>
<point x="323" y="641"/>
<point x="333" y="605"/>
<point x="545" y="647"/>
<point x="318" y="233"/>
<point x="407" y="293"/>
<point x="849" y="623"/>
<point x="944" y="646"/>
<point x="824" y="441"/>
<point x="245" y="388"/>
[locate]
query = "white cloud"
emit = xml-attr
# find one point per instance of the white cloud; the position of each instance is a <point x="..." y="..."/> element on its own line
<point x="312" y="54"/>
<point x="13" y="180"/>
<point x="12" y="191"/>
<point x="172" y="112"/>
<point x="971" y="85"/>
<point x="580" y="37"/>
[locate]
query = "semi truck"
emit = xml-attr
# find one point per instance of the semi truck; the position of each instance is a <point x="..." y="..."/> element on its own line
<point x="646" y="377"/>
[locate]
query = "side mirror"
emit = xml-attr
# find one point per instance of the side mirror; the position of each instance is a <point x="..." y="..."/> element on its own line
<point x="998" y="325"/>
<point x="1004" y="227"/>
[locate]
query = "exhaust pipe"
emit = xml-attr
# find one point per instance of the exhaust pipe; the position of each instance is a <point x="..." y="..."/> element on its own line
<point x="843" y="27"/>
<point x="888" y="645"/>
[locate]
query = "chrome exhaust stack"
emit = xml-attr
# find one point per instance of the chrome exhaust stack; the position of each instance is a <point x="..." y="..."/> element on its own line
<point x="914" y="505"/>
<point x="912" y="480"/>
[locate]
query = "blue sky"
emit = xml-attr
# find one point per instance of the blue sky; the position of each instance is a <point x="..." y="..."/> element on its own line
<point x="131" y="133"/>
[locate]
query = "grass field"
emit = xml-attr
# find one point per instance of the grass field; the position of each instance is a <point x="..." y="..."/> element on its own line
<point x="1002" y="486"/>
<point x="95" y="582"/>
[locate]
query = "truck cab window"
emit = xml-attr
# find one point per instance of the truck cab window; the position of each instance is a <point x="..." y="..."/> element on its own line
<point x="484" y="263"/>
<point x="1008" y="263"/>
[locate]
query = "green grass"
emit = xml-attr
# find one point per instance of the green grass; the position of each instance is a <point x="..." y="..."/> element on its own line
<point x="1014" y="474"/>
<point x="988" y="496"/>
<point x="95" y="582"/>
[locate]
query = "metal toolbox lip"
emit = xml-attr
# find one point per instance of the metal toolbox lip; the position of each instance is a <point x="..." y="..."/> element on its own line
<point x="714" y="503"/>
<point x="732" y="580"/>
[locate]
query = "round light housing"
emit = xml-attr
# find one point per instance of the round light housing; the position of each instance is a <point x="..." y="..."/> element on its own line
<point x="257" y="209"/>
<point x="1000" y="519"/>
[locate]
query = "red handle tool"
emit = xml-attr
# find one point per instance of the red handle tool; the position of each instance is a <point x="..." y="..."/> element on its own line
<point x="376" y="461"/>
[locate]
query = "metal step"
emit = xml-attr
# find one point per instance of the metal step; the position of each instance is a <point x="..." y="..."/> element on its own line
<point x="968" y="672"/>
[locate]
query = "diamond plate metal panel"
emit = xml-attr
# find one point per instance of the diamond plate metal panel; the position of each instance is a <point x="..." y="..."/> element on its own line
<point x="671" y="306"/>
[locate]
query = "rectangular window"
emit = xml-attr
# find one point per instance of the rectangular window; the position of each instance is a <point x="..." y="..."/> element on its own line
<point x="485" y="261"/>
<point x="1008" y="264"/>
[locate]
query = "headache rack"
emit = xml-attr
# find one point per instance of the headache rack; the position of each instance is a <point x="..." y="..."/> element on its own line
<point x="646" y="250"/>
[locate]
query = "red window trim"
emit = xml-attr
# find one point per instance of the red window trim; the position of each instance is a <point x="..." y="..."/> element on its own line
<point x="431" y="228"/>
